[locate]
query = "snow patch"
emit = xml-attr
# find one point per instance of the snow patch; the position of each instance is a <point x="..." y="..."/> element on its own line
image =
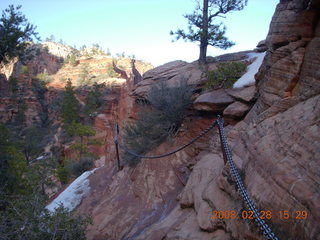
<point x="71" y="197"/>
<point x="248" y="79"/>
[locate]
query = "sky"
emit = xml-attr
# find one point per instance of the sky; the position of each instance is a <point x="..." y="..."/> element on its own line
<point x="141" y="27"/>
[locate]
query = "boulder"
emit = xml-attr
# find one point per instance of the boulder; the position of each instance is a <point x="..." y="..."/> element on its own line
<point x="236" y="110"/>
<point x="173" y="73"/>
<point x="214" y="101"/>
<point x="247" y="94"/>
<point x="262" y="43"/>
<point x="262" y="46"/>
<point x="167" y="70"/>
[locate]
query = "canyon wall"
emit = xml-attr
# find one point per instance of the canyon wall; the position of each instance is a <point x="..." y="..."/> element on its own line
<point x="276" y="148"/>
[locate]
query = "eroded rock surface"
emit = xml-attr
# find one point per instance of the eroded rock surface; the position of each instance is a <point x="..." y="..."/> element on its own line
<point x="140" y="196"/>
<point x="276" y="148"/>
<point x="214" y="101"/>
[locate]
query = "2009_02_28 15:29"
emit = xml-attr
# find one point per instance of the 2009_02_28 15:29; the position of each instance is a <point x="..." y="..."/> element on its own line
<point x="283" y="215"/>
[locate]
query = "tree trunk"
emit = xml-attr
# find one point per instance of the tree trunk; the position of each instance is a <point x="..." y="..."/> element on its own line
<point x="204" y="34"/>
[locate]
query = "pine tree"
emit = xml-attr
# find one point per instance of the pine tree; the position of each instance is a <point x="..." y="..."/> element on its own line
<point x="202" y="27"/>
<point x="31" y="144"/>
<point x="70" y="107"/>
<point x="82" y="133"/>
<point x="93" y="101"/>
<point x="15" y="32"/>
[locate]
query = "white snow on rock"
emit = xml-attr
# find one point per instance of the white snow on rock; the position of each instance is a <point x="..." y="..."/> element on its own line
<point x="248" y="79"/>
<point x="71" y="197"/>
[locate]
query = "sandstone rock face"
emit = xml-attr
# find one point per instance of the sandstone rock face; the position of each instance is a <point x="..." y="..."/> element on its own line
<point x="236" y="110"/>
<point x="290" y="70"/>
<point x="261" y="47"/>
<point x="276" y="149"/>
<point x="172" y="73"/>
<point x="141" y="196"/>
<point x="234" y="103"/>
<point x="99" y="70"/>
<point x="214" y="101"/>
<point x="57" y="49"/>
<point x="247" y="94"/>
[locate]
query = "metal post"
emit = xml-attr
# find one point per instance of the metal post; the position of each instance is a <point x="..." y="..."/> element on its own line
<point x="117" y="147"/>
<point x="220" y="135"/>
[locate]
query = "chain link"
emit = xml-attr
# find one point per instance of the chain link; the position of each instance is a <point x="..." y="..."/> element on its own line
<point x="234" y="171"/>
<point x="172" y="152"/>
<point x="243" y="192"/>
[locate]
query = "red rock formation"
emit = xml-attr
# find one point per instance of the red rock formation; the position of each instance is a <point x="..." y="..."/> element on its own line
<point x="140" y="196"/>
<point x="276" y="149"/>
<point x="136" y="75"/>
<point x="122" y="73"/>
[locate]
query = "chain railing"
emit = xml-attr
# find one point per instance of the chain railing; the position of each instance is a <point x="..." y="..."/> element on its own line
<point x="241" y="188"/>
<point x="204" y="132"/>
<point x="228" y="159"/>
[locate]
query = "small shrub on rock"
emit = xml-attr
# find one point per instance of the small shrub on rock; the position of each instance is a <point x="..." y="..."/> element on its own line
<point x="159" y="120"/>
<point x="25" y="70"/>
<point x="225" y="75"/>
<point x="44" y="77"/>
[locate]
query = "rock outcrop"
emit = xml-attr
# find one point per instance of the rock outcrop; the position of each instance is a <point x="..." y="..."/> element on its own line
<point x="139" y="197"/>
<point x="276" y="149"/>
<point x="214" y="101"/>
<point x="174" y="72"/>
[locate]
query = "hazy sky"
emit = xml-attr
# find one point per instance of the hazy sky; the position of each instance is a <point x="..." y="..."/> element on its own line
<point x="140" y="27"/>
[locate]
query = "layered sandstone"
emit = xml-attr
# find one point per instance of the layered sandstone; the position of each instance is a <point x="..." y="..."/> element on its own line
<point x="276" y="148"/>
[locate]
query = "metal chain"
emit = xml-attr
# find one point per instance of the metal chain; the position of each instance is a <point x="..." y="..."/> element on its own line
<point x="243" y="192"/>
<point x="234" y="171"/>
<point x="172" y="152"/>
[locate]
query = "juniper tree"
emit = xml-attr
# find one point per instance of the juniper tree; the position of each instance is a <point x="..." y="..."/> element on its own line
<point x="203" y="28"/>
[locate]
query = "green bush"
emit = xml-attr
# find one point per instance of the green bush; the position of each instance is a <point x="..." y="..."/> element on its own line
<point x="24" y="70"/>
<point x="12" y="163"/>
<point x="63" y="80"/>
<point x="110" y="71"/>
<point x="84" y="77"/>
<point x="25" y="217"/>
<point x="22" y="198"/>
<point x="167" y="110"/>
<point x="170" y="103"/>
<point x="44" y="77"/>
<point x="225" y="75"/>
<point x="71" y="59"/>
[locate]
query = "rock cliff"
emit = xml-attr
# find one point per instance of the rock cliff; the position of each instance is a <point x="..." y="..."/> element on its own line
<point x="31" y="93"/>
<point x="274" y="137"/>
<point x="276" y="148"/>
